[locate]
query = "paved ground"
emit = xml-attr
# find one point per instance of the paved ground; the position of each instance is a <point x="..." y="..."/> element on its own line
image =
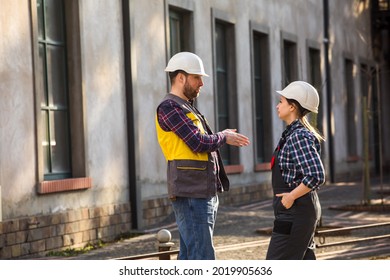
<point x="242" y="233"/>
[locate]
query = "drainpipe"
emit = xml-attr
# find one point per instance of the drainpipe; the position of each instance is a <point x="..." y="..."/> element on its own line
<point x="130" y="115"/>
<point x="1" y="213"/>
<point x="328" y="81"/>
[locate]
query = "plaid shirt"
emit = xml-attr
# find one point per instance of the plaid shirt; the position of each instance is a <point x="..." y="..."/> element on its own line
<point x="299" y="157"/>
<point x="172" y="118"/>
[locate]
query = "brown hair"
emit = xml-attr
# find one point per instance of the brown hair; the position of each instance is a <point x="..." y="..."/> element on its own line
<point x="172" y="75"/>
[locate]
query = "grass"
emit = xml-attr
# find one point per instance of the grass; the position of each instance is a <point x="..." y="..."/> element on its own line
<point x="71" y="252"/>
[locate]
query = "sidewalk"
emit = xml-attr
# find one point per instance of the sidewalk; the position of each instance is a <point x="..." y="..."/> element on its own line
<point x="240" y="232"/>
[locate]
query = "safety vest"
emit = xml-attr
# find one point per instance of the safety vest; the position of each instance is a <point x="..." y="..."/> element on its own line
<point x="190" y="174"/>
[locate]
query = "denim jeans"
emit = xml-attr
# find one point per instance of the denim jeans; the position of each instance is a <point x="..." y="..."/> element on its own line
<point x="195" y="218"/>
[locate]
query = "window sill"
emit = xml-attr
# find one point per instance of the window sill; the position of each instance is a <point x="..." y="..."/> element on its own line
<point x="64" y="185"/>
<point x="266" y="166"/>
<point x="353" y="159"/>
<point x="234" y="169"/>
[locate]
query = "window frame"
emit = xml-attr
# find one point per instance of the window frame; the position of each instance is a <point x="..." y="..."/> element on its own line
<point x="76" y="102"/>
<point x="185" y="19"/>
<point x="262" y="34"/>
<point x="187" y="30"/>
<point x="289" y="50"/>
<point x="315" y="79"/>
<point x="48" y="106"/>
<point x="219" y="18"/>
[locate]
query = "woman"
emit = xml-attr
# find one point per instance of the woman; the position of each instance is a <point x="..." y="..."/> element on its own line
<point x="297" y="172"/>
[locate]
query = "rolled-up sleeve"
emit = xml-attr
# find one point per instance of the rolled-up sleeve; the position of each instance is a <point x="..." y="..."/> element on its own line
<point x="306" y="149"/>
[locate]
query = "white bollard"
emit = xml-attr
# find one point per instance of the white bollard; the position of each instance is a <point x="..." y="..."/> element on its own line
<point x="164" y="238"/>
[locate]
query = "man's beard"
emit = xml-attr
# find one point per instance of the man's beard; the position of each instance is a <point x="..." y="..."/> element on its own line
<point x="190" y="92"/>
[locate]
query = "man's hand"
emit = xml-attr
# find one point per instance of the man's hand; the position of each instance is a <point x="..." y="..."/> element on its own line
<point x="234" y="138"/>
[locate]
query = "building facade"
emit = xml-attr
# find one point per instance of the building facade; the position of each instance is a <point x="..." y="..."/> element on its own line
<point x="81" y="80"/>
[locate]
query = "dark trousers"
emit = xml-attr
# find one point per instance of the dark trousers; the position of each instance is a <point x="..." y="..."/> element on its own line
<point x="294" y="228"/>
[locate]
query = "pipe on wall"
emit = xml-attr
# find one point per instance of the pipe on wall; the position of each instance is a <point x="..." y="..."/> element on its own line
<point x="130" y="114"/>
<point x="328" y="81"/>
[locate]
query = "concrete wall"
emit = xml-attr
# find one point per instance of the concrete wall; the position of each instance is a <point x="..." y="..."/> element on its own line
<point x="17" y="148"/>
<point x="103" y="76"/>
<point x="349" y="38"/>
<point x="103" y="84"/>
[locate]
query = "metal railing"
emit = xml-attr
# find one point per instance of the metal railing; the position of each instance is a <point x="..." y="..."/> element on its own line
<point x="165" y="245"/>
<point x="321" y="234"/>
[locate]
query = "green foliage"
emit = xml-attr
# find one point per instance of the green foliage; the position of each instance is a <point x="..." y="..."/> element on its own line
<point x="70" y="252"/>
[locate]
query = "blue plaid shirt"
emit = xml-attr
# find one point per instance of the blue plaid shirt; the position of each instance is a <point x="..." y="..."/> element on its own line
<point x="299" y="157"/>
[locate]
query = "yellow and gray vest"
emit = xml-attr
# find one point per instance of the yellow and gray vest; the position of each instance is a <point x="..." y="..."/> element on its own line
<point x="190" y="174"/>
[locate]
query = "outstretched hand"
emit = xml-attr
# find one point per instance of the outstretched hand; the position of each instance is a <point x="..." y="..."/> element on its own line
<point x="235" y="139"/>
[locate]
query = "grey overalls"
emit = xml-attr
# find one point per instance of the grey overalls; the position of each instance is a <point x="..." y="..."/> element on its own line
<point x="293" y="231"/>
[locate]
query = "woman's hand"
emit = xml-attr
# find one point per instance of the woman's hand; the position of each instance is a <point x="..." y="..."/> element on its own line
<point x="287" y="199"/>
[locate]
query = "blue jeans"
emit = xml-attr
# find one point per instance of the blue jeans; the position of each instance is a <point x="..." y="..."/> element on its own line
<point x="195" y="218"/>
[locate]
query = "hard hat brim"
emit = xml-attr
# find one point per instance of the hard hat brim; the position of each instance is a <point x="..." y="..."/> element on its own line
<point x="188" y="72"/>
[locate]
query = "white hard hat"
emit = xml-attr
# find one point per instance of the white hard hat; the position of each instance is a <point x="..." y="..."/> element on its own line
<point x="188" y="62"/>
<point x="304" y="93"/>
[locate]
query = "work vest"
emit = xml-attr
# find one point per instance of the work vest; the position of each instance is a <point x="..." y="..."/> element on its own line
<point x="190" y="174"/>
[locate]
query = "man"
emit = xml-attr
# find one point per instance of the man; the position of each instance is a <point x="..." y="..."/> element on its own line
<point x="195" y="171"/>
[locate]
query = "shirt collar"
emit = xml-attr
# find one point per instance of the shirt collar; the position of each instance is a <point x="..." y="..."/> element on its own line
<point x="291" y="127"/>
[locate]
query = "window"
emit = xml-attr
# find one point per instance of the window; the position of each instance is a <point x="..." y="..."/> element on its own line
<point x="180" y="30"/>
<point x="289" y="59"/>
<point x="179" y="33"/>
<point x="314" y="69"/>
<point x="350" y="110"/>
<point x="54" y="100"/>
<point x="59" y="96"/>
<point x="226" y="99"/>
<point x="261" y="90"/>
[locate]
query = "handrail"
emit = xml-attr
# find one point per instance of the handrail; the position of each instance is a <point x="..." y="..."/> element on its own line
<point x="352" y="228"/>
<point x="350" y="241"/>
<point x="161" y="255"/>
<point x="322" y="233"/>
<point x="165" y="252"/>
